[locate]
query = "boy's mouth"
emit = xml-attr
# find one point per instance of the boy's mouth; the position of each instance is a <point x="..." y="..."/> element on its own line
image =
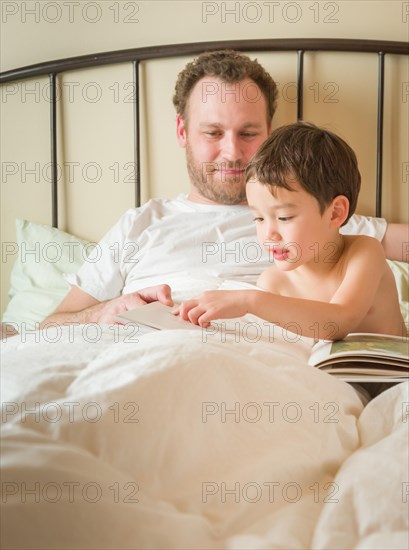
<point x="280" y="254"/>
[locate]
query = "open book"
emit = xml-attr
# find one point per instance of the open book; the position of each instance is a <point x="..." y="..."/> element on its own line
<point x="156" y="315"/>
<point x="364" y="357"/>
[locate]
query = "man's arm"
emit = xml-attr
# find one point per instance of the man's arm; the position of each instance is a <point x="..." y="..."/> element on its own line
<point x="396" y="242"/>
<point x="80" y="307"/>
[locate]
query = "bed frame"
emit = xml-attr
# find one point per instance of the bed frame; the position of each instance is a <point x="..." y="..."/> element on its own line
<point x="137" y="55"/>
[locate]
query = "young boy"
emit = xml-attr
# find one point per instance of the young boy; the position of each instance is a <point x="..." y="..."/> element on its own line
<point x="302" y="186"/>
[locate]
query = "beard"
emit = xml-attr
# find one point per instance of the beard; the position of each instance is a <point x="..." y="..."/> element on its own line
<point x="215" y="185"/>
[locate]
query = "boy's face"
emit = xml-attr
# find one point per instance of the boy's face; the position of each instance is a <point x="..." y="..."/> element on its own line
<point x="290" y="226"/>
<point x="224" y="126"/>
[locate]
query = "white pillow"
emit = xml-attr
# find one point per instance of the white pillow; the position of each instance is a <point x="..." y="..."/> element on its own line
<point x="37" y="286"/>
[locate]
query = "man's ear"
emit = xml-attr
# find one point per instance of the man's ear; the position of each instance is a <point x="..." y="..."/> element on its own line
<point x="339" y="209"/>
<point x="181" y="131"/>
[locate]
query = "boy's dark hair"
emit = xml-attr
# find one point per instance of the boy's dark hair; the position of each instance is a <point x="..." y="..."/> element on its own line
<point x="230" y="66"/>
<point x="319" y="160"/>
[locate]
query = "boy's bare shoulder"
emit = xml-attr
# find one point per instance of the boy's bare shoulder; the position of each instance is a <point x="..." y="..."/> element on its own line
<point x="363" y="252"/>
<point x="355" y="244"/>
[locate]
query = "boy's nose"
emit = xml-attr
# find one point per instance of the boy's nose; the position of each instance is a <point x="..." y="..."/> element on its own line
<point x="272" y="234"/>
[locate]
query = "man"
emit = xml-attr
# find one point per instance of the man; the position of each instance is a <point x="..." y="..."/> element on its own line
<point x="225" y="105"/>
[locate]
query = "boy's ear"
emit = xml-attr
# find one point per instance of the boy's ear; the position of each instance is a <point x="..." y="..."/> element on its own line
<point x="181" y="131"/>
<point x="339" y="209"/>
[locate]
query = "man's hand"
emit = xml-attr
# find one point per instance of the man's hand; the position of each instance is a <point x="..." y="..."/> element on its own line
<point x="78" y="307"/>
<point x="213" y="304"/>
<point x="112" y="308"/>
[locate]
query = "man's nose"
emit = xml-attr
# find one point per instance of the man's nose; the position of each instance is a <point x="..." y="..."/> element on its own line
<point x="231" y="149"/>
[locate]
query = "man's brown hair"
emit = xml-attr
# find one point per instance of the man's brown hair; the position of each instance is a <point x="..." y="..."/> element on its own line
<point x="230" y="66"/>
<point x="319" y="160"/>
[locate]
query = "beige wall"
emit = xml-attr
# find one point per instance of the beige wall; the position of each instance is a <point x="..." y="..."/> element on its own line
<point x="96" y="142"/>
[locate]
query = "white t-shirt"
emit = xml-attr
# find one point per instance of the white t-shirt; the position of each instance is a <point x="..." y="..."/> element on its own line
<point x="188" y="245"/>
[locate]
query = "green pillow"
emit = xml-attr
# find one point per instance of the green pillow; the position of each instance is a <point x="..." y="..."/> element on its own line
<point x="44" y="255"/>
<point x="401" y="273"/>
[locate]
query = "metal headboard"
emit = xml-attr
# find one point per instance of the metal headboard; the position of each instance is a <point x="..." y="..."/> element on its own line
<point x="136" y="55"/>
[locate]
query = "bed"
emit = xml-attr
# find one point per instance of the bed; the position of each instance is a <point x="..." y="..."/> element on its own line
<point x="116" y="438"/>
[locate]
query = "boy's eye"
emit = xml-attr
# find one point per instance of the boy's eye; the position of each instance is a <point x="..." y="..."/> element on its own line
<point x="285" y="218"/>
<point x="258" y="219"/>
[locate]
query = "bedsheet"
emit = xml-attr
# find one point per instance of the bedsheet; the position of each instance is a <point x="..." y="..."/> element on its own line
<point x="191" y="439"/>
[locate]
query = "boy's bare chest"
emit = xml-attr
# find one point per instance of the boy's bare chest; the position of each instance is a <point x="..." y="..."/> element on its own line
<point x="321" y="289"/>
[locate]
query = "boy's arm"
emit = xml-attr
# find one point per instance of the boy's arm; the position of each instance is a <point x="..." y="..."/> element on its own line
<point x="333" y="320"/>
<point x="396" y="242"/>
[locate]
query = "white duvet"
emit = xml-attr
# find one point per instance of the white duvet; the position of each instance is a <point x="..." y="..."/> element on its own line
<point x="185" y="440"/>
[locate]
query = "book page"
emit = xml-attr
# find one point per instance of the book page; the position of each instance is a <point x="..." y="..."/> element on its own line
<point x="363" y="354"/>
<point x="374" y="345"/>
<point x="158" y="316"/>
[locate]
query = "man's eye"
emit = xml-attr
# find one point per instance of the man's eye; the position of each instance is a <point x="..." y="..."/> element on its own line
<point x="212" y="134"/>
<point x="248" y="134"/>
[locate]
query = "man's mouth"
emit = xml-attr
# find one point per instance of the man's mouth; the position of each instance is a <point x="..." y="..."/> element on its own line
<point x="235" y="175"/>
<point x="231" y="172"/>
<point x="235" y="169"/>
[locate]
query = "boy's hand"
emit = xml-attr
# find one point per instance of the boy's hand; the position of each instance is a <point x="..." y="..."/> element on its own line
<point x="213" y="304"/>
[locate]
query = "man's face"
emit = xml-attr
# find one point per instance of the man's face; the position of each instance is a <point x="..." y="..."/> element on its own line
<point x="224" y="126"/>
